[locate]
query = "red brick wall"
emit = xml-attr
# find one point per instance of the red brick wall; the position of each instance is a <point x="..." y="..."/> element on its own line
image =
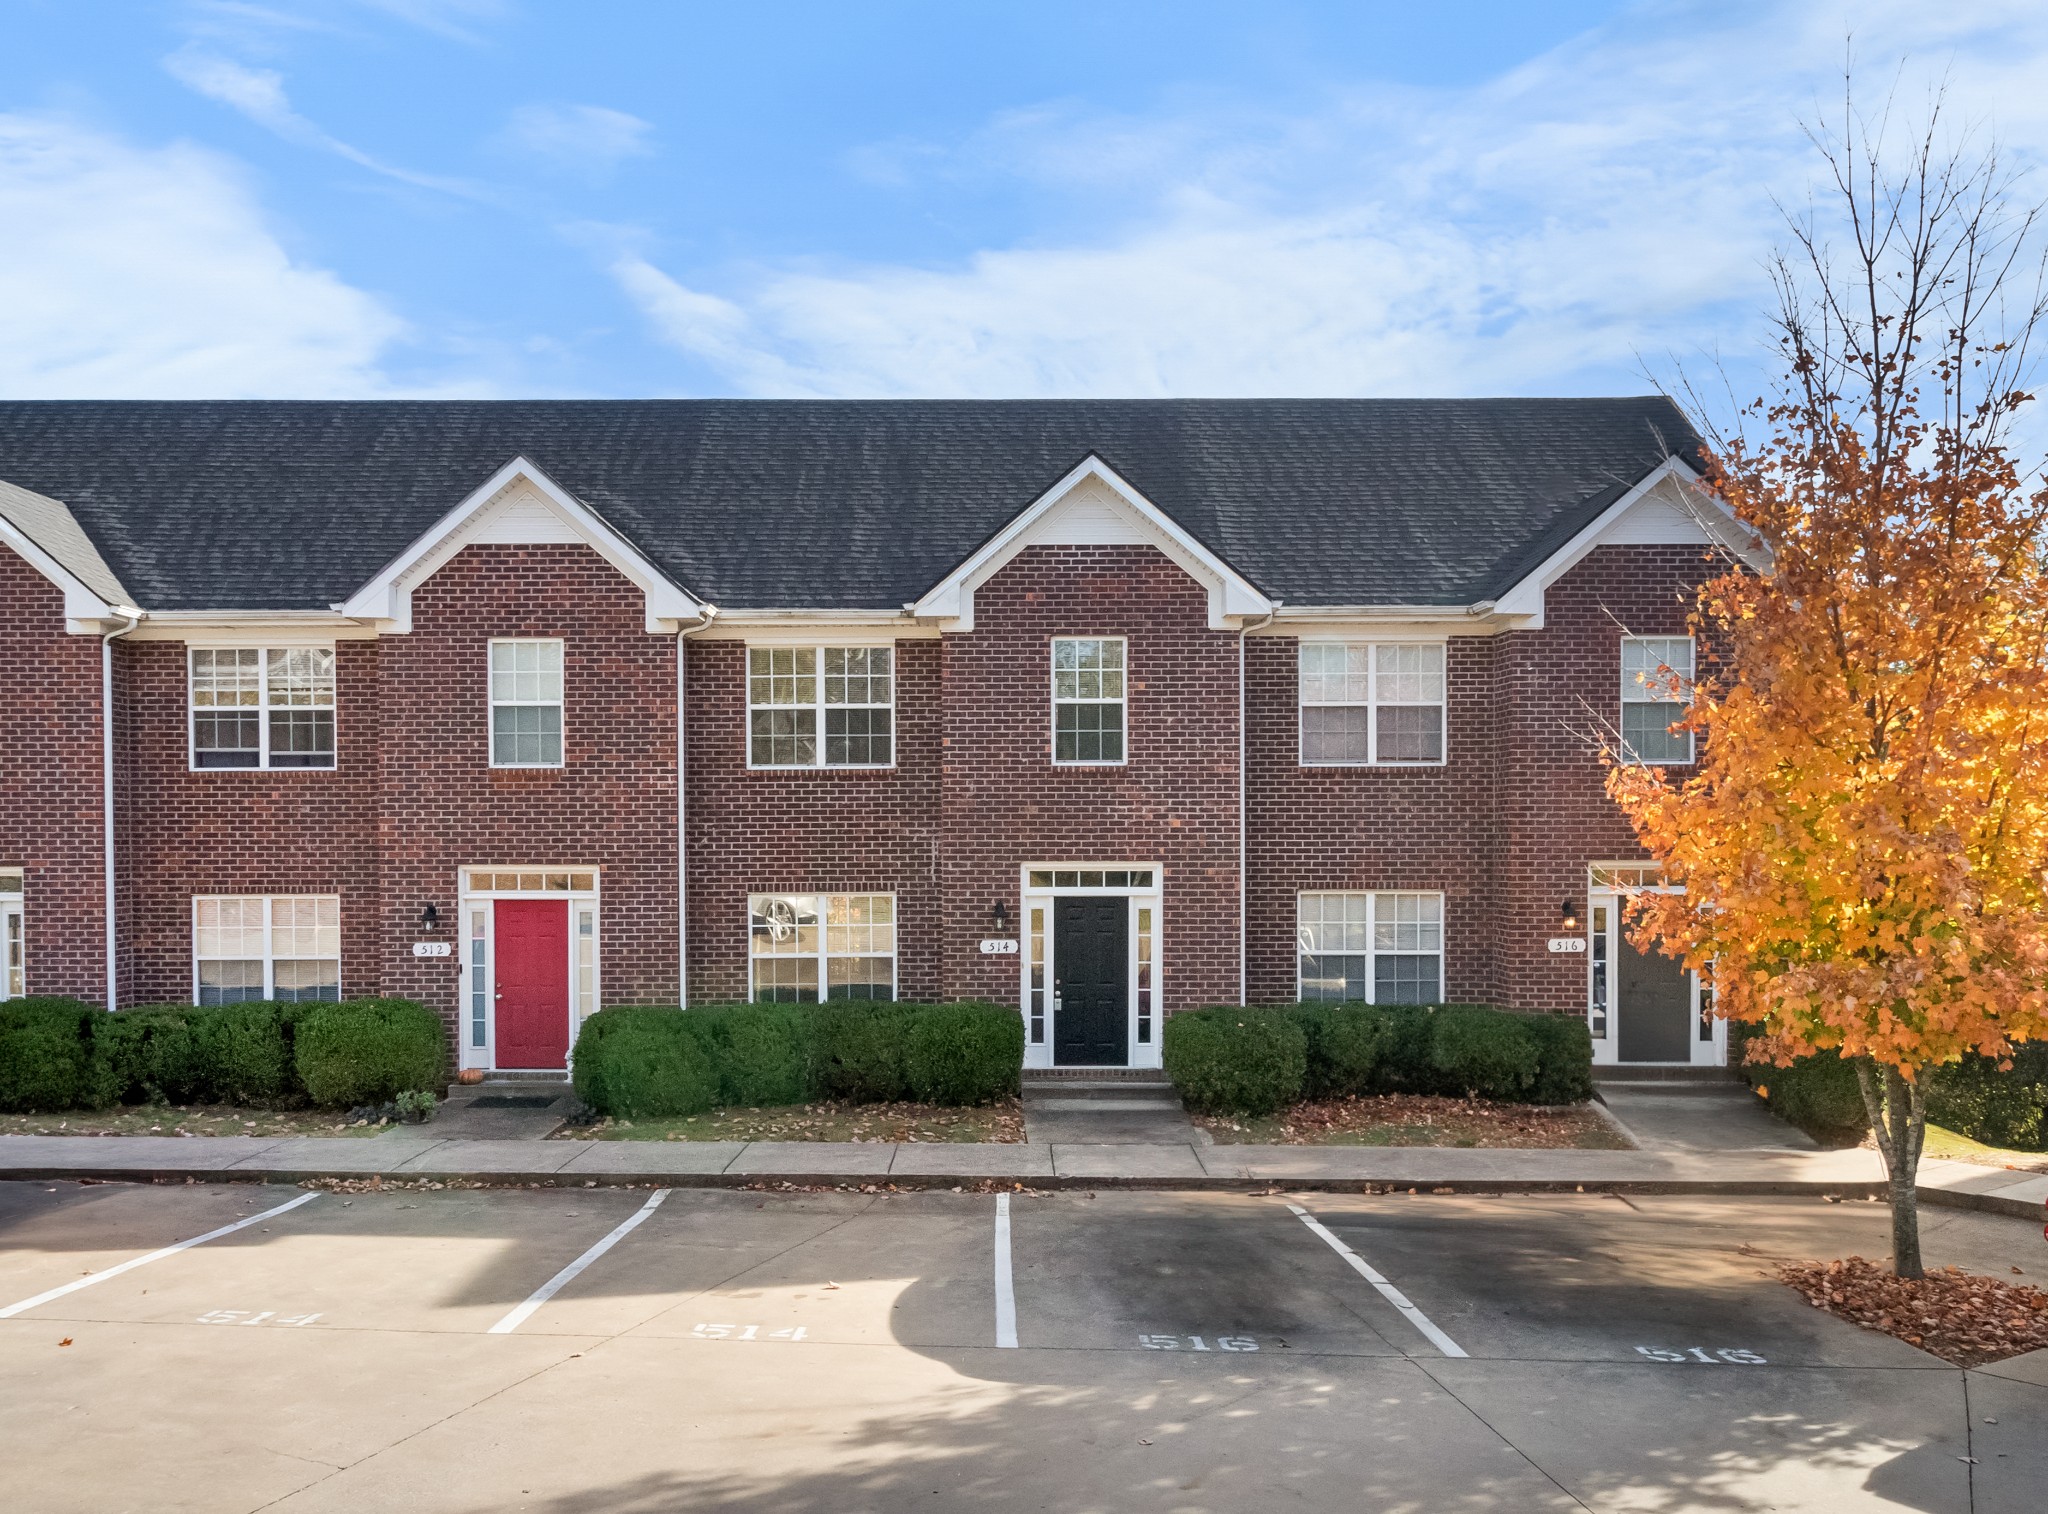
<point x="836" y="830"/>
<point x="50" y="801"/>
<point x="1358" y="828"/>
<point x="1173" y="804"/>
<point x="1558" y="688"/>
<point x="611" y="806"/>
<point x="240" y="831"/>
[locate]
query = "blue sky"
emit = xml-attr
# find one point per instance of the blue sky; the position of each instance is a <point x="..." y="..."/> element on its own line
<point x="362" y="198"/>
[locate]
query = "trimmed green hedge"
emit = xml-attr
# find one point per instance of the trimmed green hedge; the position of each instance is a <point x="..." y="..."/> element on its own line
<point x="65" y="1054"/>
<point x="648" y="1063"/>
<point x="1255" y="1061"/>
<point x="1819" y="1094"/>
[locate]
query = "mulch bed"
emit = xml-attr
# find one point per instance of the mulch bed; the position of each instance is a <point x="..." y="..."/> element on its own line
<point x="1961" y="1317"/>
<point x="823" y="1120"/>
<point x="1402" y="1119"/>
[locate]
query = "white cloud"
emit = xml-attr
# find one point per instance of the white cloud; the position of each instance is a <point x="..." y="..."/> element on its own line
<point x="1536" y="233"/>
<point x="586" y="139"/>
<point x="137" y="272"/>
<point x="259" y="94"/>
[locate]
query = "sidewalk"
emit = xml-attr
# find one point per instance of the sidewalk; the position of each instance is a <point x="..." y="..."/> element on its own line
<point x="404" y="1155"/>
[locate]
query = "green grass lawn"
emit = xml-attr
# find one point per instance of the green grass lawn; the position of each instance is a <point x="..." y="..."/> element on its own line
<point x="1960" y="1148"/>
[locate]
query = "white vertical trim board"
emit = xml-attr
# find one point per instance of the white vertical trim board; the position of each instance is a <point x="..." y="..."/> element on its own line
<point x="1386" y="1289"/>
<point x="155" y="1256"/>
<point x="1006" y="1295"/>
<point x="570" y="1273"/>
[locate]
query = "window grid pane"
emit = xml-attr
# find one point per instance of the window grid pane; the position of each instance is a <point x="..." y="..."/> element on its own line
<point x="798" y="695"/>
<point x="1372" y="703"/>
<point x="285" y="947"/>
<point x="1088" y="699"/>
<point x="526" y="703"/>
<point x="838" y="946"/>
<point x="1384" y="948"/>
<point x="1656" y="689"/>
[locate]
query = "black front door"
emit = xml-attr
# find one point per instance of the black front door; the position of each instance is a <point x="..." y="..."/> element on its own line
<point x="1654" y="1000"/>
<point x="1091" y="975"/>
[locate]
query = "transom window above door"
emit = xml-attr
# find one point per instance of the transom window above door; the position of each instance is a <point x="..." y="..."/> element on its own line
<point x="262" y="707"/>
<point x="811" y="707"/>
<point x="1087" y="699"/>
<point x="1372" y="703"/>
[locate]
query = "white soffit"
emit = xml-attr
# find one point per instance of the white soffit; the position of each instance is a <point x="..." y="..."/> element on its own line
<point x="1667" y="507"/>
<point x="1093" y="506"/>
<point x="517" y="506"/>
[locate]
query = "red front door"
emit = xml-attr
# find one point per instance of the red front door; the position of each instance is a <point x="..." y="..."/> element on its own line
<point x="533" y="982"/>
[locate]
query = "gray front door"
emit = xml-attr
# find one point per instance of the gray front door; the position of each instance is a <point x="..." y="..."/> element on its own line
<point x="1654" y="999"/>
<point x="1091" y="960"/>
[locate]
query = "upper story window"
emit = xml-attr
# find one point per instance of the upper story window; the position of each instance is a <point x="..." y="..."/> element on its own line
<point x="1088" y="699"/>
<point x="526" y="703"/>
<point x="1371" y="948"/>
<point x="795" y="695"/>
<point x="266" y="947"/>
<point x="809" y="947"/>
<point x="1372" y="703"/>
<point x="262" y="707"/>
<point x="1656" y="688"/>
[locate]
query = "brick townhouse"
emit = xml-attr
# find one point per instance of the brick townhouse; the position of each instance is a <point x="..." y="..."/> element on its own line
<point x="1104" y="709"/>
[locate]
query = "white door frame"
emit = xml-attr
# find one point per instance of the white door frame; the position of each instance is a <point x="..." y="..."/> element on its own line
<point x="1039" y="885"/>
<point x="476" y="942"/>
<point x="13" y="948"/>
<point x="1609" y="885"/>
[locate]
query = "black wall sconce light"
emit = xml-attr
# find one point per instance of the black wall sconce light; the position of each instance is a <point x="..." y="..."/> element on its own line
<point x="430" y="917"/>
<point x="1001" y="912"/>
<point x="1569" y="914"/>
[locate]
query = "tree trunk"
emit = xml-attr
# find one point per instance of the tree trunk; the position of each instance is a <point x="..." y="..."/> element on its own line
<point x="1898" y="1118"/>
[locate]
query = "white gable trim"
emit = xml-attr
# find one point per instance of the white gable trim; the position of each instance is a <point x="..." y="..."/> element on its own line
<point x="84" y="611"/>
<point x="517" y="503"/>
<point x="1128" y="516"/>
<point x="1689" y="514"/>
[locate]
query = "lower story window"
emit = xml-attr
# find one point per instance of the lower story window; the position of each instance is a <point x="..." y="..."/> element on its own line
<point x="1379" y="948"/>
<point x="258" y="946"/>
<point x="13" y="955"/>
<point x="808" y="947"/>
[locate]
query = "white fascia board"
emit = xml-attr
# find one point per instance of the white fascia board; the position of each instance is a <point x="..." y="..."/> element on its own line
<point x="253" y="628"/>
<point x="85" y="613"/>
<point x="785" y="627"/>
<point x="1232" y="598"/>
<point x="387" y="598"/>
<point x="1388" y="622"/>
<point x="1521" y="606"/>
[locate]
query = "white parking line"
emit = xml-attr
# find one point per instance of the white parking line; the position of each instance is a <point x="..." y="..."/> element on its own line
<point x="155" y="1256"/>
<point x="1387" y="1290"/>
<point x="567" y="1275"/>
<point x="1006" y="1296"/>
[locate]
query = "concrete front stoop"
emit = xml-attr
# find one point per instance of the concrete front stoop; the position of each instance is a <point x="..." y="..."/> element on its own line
<point x="504" y="1107"/>
<point x="1117" y="1106"/>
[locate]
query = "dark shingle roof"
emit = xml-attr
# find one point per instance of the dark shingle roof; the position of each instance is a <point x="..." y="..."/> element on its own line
<point x="836" y="504"/>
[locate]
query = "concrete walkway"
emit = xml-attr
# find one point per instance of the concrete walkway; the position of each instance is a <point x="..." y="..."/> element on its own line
<point x="408" y="1155"/>
<point x="1718" y="1116"/>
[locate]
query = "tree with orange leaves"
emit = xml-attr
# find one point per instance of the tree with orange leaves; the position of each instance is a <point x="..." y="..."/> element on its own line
<point x="1863" y="844"/>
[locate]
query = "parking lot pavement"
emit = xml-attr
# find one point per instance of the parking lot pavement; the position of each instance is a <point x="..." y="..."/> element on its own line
<point x="839" y="1351"/>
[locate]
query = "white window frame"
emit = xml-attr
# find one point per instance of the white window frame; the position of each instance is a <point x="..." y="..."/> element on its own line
<point x="1633" y="690"/>
<point x="1371" y="704"/>
<point x="263" y="708"/>
<point x="13" y="935"/>
<point x="822" y="958"/>
<point x="560" y="704"/>
<point x="1122" y="701"/>
<point x="476" y="948"/>
<point x="270" y="957"/>
<point x="1373" y="951"/>
<point x="819" y="705"/>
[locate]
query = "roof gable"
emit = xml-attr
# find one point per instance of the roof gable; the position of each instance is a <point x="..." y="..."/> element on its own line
<point x="1093" y="506"/>
<point x="518" y="504"/>
<point x="48" y="537"/>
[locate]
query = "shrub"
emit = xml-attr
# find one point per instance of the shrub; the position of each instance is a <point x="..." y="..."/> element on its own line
<point x="762" y="1052"/>
<point x="1817" y="1093"/>
<point x="964" y="1053"/>
<point x="244" y="1053"/>
<point x="643" y="1064"/>
<point x="367" y="1051"/>
<point x="1347" y="1048"/>
<point x="1482" y="1052"/>
<point x="1236" y="1061"/>
<point x="2010" y="1109"/>
<point x="1564" y="1059"/>
<point x="151" y="1055"/>
<point x="857" y="1050"/>
<point x="47" y="1058"/>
